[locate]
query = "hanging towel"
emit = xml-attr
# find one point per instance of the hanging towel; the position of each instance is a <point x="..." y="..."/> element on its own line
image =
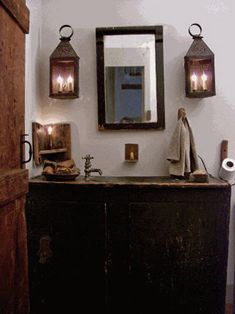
<point x="182" y="150"/>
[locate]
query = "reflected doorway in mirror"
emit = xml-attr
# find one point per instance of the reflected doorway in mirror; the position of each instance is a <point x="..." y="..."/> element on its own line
<point x="124" y="94"/>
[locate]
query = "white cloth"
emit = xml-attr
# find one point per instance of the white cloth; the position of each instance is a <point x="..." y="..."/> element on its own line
<point x="182" y="151"/>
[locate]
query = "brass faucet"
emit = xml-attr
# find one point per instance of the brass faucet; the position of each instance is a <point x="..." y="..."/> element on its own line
<point x="88" y="169"/>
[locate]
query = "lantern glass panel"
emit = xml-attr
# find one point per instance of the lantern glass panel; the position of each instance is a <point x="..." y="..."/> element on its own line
<point x="63" y="75"/>
<point x="201" y="75"/>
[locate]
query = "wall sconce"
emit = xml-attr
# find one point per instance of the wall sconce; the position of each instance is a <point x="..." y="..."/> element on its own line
<point x="64" y="68"/>
<point x="199" y="68"/>
<point x="131" y="152"/>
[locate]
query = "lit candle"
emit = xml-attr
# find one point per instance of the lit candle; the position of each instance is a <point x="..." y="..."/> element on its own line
<point x="194" y="81"/>
<point x="65" y="86"/>
<point x="60" y="83"/>
<point x="70" y="83"/>
<point x="49" y="131"/>
<point x="204" y="81"/>
<point x="131" y="155"/>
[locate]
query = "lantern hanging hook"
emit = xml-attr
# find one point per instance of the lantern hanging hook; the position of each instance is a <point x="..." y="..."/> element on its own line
<point x="195" y="35"/>
<point x="63" y="37"/>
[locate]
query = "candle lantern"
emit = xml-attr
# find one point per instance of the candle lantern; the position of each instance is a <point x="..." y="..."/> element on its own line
<point x="199" y="68"/>
<point x="64" y="68"/>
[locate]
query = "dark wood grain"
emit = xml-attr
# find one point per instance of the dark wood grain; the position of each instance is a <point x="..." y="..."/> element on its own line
<point x="13" y="184"/>
<point x="176" y="257"/>
<point x="12" y="65"/>
<point x="18" y="10"/>
<point x="73" y="278"/>
<point x="162" y="243"/>
<point x="14" y="20"/>
<point x="229" y="308"/>
<point x="13" y="258"/>
<point x="223" y="150"/>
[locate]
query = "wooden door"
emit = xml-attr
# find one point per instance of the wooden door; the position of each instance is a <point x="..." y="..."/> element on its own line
<point x="14" y="23"/>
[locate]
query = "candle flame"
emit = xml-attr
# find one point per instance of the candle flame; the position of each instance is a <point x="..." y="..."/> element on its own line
<point x="194" y="77"/>
<point x="49" y="130"/>
<point x="60" y="79"/>
<point x="204" y="77"/>
<point x="70" y="79"/>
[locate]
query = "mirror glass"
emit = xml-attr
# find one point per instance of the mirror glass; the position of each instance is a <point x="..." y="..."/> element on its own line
<point x="130" y="78"/>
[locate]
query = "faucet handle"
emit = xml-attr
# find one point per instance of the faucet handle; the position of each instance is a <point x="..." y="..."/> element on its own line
<point x="88" y="157"/>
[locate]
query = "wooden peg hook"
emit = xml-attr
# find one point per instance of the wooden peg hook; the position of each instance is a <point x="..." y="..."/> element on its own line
<point x="181" y="114"/>
<point x="223" y="150"/>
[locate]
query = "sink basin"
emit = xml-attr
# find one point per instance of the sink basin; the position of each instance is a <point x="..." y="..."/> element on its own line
<point x="154" y="181"/>
<point x="127" y="180"/>
<point x="104" y="179"/>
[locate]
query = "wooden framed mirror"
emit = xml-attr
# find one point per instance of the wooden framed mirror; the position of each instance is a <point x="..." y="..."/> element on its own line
<point x="130" y="77"/>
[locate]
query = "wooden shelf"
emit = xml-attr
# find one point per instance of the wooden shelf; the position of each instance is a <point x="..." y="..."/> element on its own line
<point x="59" y="140"/>
<point x="53" y="151"/>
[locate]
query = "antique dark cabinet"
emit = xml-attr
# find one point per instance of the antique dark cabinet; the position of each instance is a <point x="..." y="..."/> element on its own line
<point x="136" y="245"/>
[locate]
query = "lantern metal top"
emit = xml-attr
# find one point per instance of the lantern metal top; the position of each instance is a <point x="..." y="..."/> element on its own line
<point x="198" y="48"/>
<point x="64" y="48"/>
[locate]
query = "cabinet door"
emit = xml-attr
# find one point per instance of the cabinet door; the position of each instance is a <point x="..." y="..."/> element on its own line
<point x="72" y="278"/>
<point x="169" y="256"/>
<point x="117" y="258"/>
<point x="178" y="257"/>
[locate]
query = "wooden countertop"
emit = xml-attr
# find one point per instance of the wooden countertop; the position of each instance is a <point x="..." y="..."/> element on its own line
<point x="133" y="181"/>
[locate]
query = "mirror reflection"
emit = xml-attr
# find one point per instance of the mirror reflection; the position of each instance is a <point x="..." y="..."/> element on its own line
<point x="130" y="77"/>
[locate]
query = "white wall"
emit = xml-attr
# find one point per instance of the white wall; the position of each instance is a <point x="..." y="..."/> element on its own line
<point x="33" y="80"/>
<point x="212" y="119"/>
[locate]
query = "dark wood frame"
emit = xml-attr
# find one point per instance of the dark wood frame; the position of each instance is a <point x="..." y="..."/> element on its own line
<point x="19" y="11"/>
<point x="158" y="32"/>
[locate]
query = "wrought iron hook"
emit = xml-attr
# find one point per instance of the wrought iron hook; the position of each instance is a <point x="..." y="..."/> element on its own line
<point x="62" y="37"/>
<point x="195" y="35"/>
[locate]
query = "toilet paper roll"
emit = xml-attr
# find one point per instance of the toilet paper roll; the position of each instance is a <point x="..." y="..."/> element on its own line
<point x="227" y="169"/>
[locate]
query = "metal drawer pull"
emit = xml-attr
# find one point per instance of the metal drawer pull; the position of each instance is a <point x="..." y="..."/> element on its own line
<point x="44" y="251"/>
